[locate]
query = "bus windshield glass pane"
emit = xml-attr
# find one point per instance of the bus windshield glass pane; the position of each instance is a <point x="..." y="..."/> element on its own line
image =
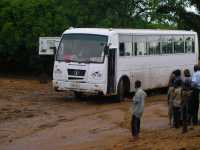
<point x="82" y="48"/>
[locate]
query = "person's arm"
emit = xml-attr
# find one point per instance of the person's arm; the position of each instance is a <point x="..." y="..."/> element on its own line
<point x="137" y="98"/>
<point x="183" y="94"/>
<point x="194" y="78"/>
<point x="198" y="79"/>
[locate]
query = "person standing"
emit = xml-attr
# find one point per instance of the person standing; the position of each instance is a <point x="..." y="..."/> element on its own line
<point x="195" y="98"/>
<point x="177" y="103"/>
<point x="187" y="81"/>
<point x="169" y="97"/>
<point x="175" y="76"/>
<point x="137" y="109"/>
<point x="171" y="84"/>
<point x="186" y="95"/>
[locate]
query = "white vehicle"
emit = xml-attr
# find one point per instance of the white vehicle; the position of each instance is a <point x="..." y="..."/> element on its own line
<point x="109" y="61"/>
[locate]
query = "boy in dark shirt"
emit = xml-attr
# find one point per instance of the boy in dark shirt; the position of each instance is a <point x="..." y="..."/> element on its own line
<point x="186" y="96"/>
<point x="176" y="102"/>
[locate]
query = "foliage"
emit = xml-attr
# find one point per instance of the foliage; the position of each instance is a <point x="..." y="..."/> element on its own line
<point x="184" y="19"/>
<point x="23" y="22"/>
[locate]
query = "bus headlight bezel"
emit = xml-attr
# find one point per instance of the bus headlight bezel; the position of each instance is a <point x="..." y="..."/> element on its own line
<point x="97" y="75"/>
<point x="58" y="71"/>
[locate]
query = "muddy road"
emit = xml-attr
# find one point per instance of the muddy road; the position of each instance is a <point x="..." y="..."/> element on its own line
<point x="33" y="116"/>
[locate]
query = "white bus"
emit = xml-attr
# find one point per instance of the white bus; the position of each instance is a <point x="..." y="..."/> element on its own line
<point x="109" y="61"/>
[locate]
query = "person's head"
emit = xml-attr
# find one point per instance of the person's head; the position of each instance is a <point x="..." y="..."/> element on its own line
<point x="196" y="68"/>
<point x="172" y="76"/>
<point x="177" y="73"/>
<point x="187" y="73"/>
<point x="137" y="84"/>
<point x="178" y="83"/>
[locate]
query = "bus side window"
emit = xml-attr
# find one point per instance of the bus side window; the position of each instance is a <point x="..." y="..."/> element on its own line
<point x="128" y="49"/>
<point x="178" y="44"/>
<point x="167" y="44"/>
<point x="139" y="45"/>
<point x="125" y="49"/>
<point x="153" y="45"/>
<point x="121" y="49"/>
<point x="141" y="48"/>
<point x="189" y="44"/>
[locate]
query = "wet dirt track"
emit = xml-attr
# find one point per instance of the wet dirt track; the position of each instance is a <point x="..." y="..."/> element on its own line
<point x="33" y="116"/>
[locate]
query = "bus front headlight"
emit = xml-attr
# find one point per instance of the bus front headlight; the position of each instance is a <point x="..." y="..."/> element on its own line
<point x="97" y="75"/>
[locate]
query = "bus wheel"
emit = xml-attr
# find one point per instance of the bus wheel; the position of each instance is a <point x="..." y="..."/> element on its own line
<point x="78" y="95"/>
<point x="120" y="91"/>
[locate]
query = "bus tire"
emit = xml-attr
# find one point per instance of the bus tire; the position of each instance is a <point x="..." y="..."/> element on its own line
<point x="120" y="91"/>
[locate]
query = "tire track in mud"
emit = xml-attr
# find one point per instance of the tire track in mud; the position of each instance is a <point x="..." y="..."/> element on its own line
<point x="67" y="120"/>
<point x="57" y="121"/>
<point x="38" y="110"/>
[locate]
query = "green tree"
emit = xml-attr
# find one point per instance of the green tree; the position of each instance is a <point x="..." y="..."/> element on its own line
<point x="183" y="18"/>
<point x="177" y="10"/>
<point x="23" y="22"/>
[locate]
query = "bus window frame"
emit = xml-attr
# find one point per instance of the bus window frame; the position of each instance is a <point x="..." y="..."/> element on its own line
<point x="160" y="43"/>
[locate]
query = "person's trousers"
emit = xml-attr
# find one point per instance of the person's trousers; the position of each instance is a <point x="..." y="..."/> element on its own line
<point x="170" y="113"/>
<point x="135" y="125"/>
<point x="195" y="106"/>
<point x="177" y="116"/>
<point x="184" y="113"/>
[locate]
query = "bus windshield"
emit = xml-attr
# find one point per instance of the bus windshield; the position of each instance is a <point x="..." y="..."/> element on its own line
<point x="82" y="48"/>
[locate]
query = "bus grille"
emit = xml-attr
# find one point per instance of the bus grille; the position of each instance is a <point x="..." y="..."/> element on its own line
<point x="76" y="72"/>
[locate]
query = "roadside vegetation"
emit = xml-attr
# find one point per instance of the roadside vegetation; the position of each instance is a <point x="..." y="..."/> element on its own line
<point x="23" y="22"/>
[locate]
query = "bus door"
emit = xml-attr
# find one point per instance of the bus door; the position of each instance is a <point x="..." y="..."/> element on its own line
<point x="111" y="71"/>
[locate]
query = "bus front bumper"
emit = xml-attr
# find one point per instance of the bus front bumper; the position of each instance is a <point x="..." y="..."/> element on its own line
<point x="79" y="87"/>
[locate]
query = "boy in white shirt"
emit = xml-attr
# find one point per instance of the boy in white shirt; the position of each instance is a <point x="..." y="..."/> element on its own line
<point x="137" y="109"/>
<point x="196" y="90"/>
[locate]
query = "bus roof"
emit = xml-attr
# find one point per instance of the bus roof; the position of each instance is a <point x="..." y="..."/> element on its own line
<point x="108" y="31"/>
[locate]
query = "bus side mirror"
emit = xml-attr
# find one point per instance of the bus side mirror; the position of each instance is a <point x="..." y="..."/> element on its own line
<point x="106" y="49"/>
